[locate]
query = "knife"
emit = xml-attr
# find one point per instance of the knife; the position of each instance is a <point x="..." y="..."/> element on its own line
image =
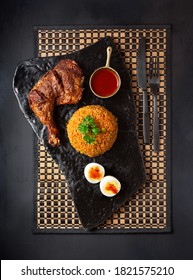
<point x="142" y="83"/>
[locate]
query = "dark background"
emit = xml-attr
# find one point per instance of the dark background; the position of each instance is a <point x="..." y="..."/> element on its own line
<point x="17" y="19"/>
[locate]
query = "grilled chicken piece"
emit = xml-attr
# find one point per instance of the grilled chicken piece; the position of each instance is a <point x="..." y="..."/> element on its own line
<point x="71" y="77"/>
<point x="60" y="86"/>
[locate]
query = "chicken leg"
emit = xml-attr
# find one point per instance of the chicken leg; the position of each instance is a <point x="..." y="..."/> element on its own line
<point x="60" y="86"/>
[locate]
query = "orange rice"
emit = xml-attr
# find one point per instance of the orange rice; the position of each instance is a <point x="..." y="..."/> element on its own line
<point x="104" y="120"/>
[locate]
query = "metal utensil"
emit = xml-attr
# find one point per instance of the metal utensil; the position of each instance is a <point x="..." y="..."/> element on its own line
<point x="154" y="80"/>
<point x="142" y="83"/>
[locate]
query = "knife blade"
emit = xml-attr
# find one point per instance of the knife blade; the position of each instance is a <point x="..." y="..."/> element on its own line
<point x="142" y="83"/>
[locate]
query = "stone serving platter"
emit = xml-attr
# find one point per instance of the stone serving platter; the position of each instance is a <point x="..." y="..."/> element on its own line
<point x="123" y="160"/>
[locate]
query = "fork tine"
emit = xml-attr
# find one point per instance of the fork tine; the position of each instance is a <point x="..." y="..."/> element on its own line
<point x="151" y="67"/>
<point x="154" y="72"/>
<point x="154" y="81"/>
<point x="154" y="67"/>
<point x="157" y="67"/>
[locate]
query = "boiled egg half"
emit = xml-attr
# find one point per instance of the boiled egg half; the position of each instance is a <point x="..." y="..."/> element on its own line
<point x="110" y="186"/>
<point x="94" y="172"/>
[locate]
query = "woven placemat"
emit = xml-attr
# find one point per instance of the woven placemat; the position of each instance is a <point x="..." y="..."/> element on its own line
<point x="147" y="211"/>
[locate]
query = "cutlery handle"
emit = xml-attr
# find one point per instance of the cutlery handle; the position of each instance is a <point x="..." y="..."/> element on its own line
<point x="109" y="52"/>
<point x="155" y="125"/>
<point x="146" y="128"/>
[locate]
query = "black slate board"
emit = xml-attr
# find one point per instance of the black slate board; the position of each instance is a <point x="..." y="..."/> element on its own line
<point x="123" y="161"/>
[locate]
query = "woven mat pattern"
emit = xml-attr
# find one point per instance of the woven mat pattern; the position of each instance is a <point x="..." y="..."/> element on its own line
<point x="147" y="209"/>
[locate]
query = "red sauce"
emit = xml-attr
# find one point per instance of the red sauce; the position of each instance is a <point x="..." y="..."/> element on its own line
<point x="110" y="187"/>
<point x="104" y="82"/>
<point x="95" y="173"/>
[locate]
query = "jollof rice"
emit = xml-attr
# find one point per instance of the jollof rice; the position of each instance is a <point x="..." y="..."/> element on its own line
<point x="104" y="120"/>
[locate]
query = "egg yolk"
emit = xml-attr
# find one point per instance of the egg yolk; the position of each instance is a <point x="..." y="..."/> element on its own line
<point x="95" y="173"/>
<point x="111" y="188"/>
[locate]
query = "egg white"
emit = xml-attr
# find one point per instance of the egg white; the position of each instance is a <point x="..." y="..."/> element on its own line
<point x="112" y="180"/>
<point x="88" y="168"/>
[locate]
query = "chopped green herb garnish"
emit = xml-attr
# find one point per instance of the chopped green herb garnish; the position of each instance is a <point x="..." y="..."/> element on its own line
<point x="89" y="139"/>
<point x="89" y="129"/>
<point x="84" y="129"/>
<point x="95" y="131"/>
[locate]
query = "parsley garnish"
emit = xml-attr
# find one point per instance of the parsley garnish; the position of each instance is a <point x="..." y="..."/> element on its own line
<point x="89" y="129"/>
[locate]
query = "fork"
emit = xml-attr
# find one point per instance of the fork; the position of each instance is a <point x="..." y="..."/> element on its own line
<point x="153" y="81"/>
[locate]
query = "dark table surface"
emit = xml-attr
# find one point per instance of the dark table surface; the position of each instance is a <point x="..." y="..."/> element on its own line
<point x="17" y="19"/>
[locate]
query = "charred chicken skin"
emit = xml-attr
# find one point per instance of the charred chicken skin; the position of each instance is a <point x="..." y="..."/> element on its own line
<point x="60" y="86"/>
